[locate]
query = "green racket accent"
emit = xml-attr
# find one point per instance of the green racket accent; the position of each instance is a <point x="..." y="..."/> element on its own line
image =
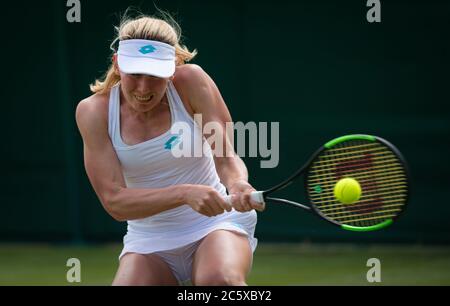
<point x="367" y="228"/>
<point x="335" y="141"/>
<point x="318" y="189"/>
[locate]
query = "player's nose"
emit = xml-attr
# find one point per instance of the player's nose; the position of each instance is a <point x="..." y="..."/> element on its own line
<point x="144" y="84"/>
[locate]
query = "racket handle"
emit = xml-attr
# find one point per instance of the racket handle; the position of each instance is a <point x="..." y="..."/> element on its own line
<point x="256" y="196"/>
<point x="227" y="198"/>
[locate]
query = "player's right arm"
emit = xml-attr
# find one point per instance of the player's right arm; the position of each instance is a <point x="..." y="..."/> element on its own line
<point x="104" y="172"/>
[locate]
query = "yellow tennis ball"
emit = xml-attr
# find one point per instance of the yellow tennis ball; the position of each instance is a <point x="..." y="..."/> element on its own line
<point x="347" y="190"/>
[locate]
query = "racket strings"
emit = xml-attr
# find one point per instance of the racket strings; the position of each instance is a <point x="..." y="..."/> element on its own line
<point x="374" y="204"/>
<point x="375" y="192"/>
<point x="362" y="208"/>
<point x="393" y="181"/>
<point x="373" y="209"/>
<point x="377" y="169"/>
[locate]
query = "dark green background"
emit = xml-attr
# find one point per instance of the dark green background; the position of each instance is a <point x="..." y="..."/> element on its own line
<point x="317" y="67"/>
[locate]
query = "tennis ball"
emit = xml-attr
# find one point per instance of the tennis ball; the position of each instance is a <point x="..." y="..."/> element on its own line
<point x="347" y="190"/>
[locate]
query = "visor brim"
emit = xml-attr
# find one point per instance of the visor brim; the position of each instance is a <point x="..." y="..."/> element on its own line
<point x="144" y="65"/>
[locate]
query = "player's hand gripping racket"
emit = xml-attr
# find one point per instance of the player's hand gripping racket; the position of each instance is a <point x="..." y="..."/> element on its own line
<point x="358" y="182"/>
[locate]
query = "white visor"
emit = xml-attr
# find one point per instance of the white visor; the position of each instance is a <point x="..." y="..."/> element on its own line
<point x="140" y="56"/>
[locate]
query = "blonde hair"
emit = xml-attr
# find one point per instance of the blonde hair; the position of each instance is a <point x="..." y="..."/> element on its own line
<point x="164" y="29"/>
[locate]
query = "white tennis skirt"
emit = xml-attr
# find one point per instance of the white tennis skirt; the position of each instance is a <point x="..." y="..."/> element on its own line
<point x="181" y="226"/>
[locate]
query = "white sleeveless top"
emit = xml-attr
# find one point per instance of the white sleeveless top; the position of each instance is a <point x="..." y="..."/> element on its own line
<point x="151" y="164"/>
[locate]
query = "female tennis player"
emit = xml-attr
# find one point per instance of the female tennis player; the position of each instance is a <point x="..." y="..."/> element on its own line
<point x="180" y="228"/>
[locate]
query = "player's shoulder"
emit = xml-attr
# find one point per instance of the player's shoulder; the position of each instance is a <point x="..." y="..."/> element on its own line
<point x="190" y="75"/>
<point x="189" y="70"/>
<point x="92" y="112"/>
<point x="188" y="80"/>
<point x="97" y="103"/>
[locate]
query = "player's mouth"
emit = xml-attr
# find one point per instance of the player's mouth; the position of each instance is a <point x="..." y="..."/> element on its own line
<point x="144" y="99"/>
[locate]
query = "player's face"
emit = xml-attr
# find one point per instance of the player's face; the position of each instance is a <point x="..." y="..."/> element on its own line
<point x="143" y="92"/>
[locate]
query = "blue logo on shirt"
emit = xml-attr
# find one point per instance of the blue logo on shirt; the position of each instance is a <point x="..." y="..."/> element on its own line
<point x="147" y="49"/>
<point x="174" y="140"/>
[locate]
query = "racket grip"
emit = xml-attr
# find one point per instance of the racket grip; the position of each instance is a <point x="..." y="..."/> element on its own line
<point x="256" y="196"/>
<point x="228" y="199"/>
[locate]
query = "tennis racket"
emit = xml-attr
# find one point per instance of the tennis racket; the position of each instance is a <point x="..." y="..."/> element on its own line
<point x="375" y="164"/>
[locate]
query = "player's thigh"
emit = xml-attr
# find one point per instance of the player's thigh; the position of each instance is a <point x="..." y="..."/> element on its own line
<point x="222" y="258"/>
<point x="143" y="270"/>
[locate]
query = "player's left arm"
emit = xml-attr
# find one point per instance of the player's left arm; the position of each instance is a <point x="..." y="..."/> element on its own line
<point x="205" y="98"/>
